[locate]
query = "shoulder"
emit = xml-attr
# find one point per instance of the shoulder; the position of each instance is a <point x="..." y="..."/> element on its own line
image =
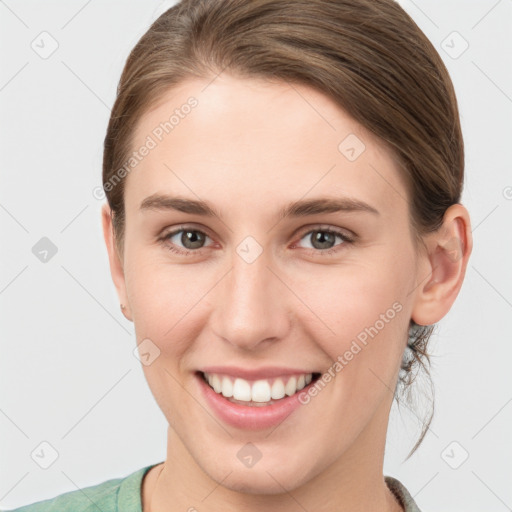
<point x="88" y="499"/>
<point x="105" y="496"/>
<point x="402" y="494"/>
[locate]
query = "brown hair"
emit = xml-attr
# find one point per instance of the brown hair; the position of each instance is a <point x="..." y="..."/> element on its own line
<point x="369" y="56"/>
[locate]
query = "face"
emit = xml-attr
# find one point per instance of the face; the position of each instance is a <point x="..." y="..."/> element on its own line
<point x="263" y="303"/>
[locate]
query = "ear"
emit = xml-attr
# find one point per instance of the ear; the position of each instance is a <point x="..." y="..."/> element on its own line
<point x="116" y="264"/>
<point x="443" y="266"/>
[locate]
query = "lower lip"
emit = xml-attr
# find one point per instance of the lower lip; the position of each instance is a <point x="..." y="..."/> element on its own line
<point x="248" y="417"/>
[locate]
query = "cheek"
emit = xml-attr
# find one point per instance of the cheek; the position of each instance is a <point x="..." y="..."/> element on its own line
<point x="159" y="292"/>
<point x="348" y="300"/>
<point x="161" y="296"/>
<point x="364" y="311"/>
<point x="165" y="302"/>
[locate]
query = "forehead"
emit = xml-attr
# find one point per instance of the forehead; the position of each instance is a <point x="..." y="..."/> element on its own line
<point x="258" y="141"/>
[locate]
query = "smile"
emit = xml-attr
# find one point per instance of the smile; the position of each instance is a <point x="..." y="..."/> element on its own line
<point x="257" y="393"/>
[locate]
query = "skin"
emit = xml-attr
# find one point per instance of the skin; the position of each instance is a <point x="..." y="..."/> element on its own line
<point x="249" y="148"/>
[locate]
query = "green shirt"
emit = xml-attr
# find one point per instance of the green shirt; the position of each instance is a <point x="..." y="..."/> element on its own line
<point x="124" y="495"/>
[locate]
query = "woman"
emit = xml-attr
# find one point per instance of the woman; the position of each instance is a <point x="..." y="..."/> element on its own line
<point x="284" y="228"/>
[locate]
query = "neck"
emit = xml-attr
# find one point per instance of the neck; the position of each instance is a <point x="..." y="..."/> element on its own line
<point x="353" y="482"/>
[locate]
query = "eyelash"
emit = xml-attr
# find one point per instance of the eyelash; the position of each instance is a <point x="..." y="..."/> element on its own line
<point x="326" y="252"/>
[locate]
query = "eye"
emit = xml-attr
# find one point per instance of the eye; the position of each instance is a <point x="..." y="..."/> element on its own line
<point x="191" y="240"/>
<point x="187" y="240"/>
<point x="323" y="240"/>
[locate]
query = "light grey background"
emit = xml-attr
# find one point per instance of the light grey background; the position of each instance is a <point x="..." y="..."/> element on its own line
<point x="68" y="374"/>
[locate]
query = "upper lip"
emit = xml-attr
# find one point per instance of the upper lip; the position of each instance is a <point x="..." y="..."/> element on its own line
<point x="267" y="372"/>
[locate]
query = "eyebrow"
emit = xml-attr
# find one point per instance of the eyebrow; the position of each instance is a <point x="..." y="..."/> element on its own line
<point x="300" y="208"/>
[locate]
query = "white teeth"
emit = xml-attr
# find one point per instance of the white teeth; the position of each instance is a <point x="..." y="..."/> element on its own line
<point x="241" y="390"/>
<point x="261" y="391"/>
<point x="227" y="387"/>
<point x="291" y="386"/>
<point x="217" y="386"/>
<point x="278" y="389"/>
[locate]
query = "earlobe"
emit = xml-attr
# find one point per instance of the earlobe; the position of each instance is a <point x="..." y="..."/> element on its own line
<point x="116" y="265"/>
<point x="443" y="266"/>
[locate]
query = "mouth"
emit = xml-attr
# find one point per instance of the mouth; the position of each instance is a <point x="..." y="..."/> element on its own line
<point x="260" y="392"/>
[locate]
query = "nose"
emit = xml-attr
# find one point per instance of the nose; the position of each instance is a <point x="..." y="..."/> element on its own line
<point x="253" y="305"/>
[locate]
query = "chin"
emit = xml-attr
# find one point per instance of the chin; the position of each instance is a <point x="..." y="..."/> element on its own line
<point x="259" y="482"/>
<point x="270" y="478"/>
